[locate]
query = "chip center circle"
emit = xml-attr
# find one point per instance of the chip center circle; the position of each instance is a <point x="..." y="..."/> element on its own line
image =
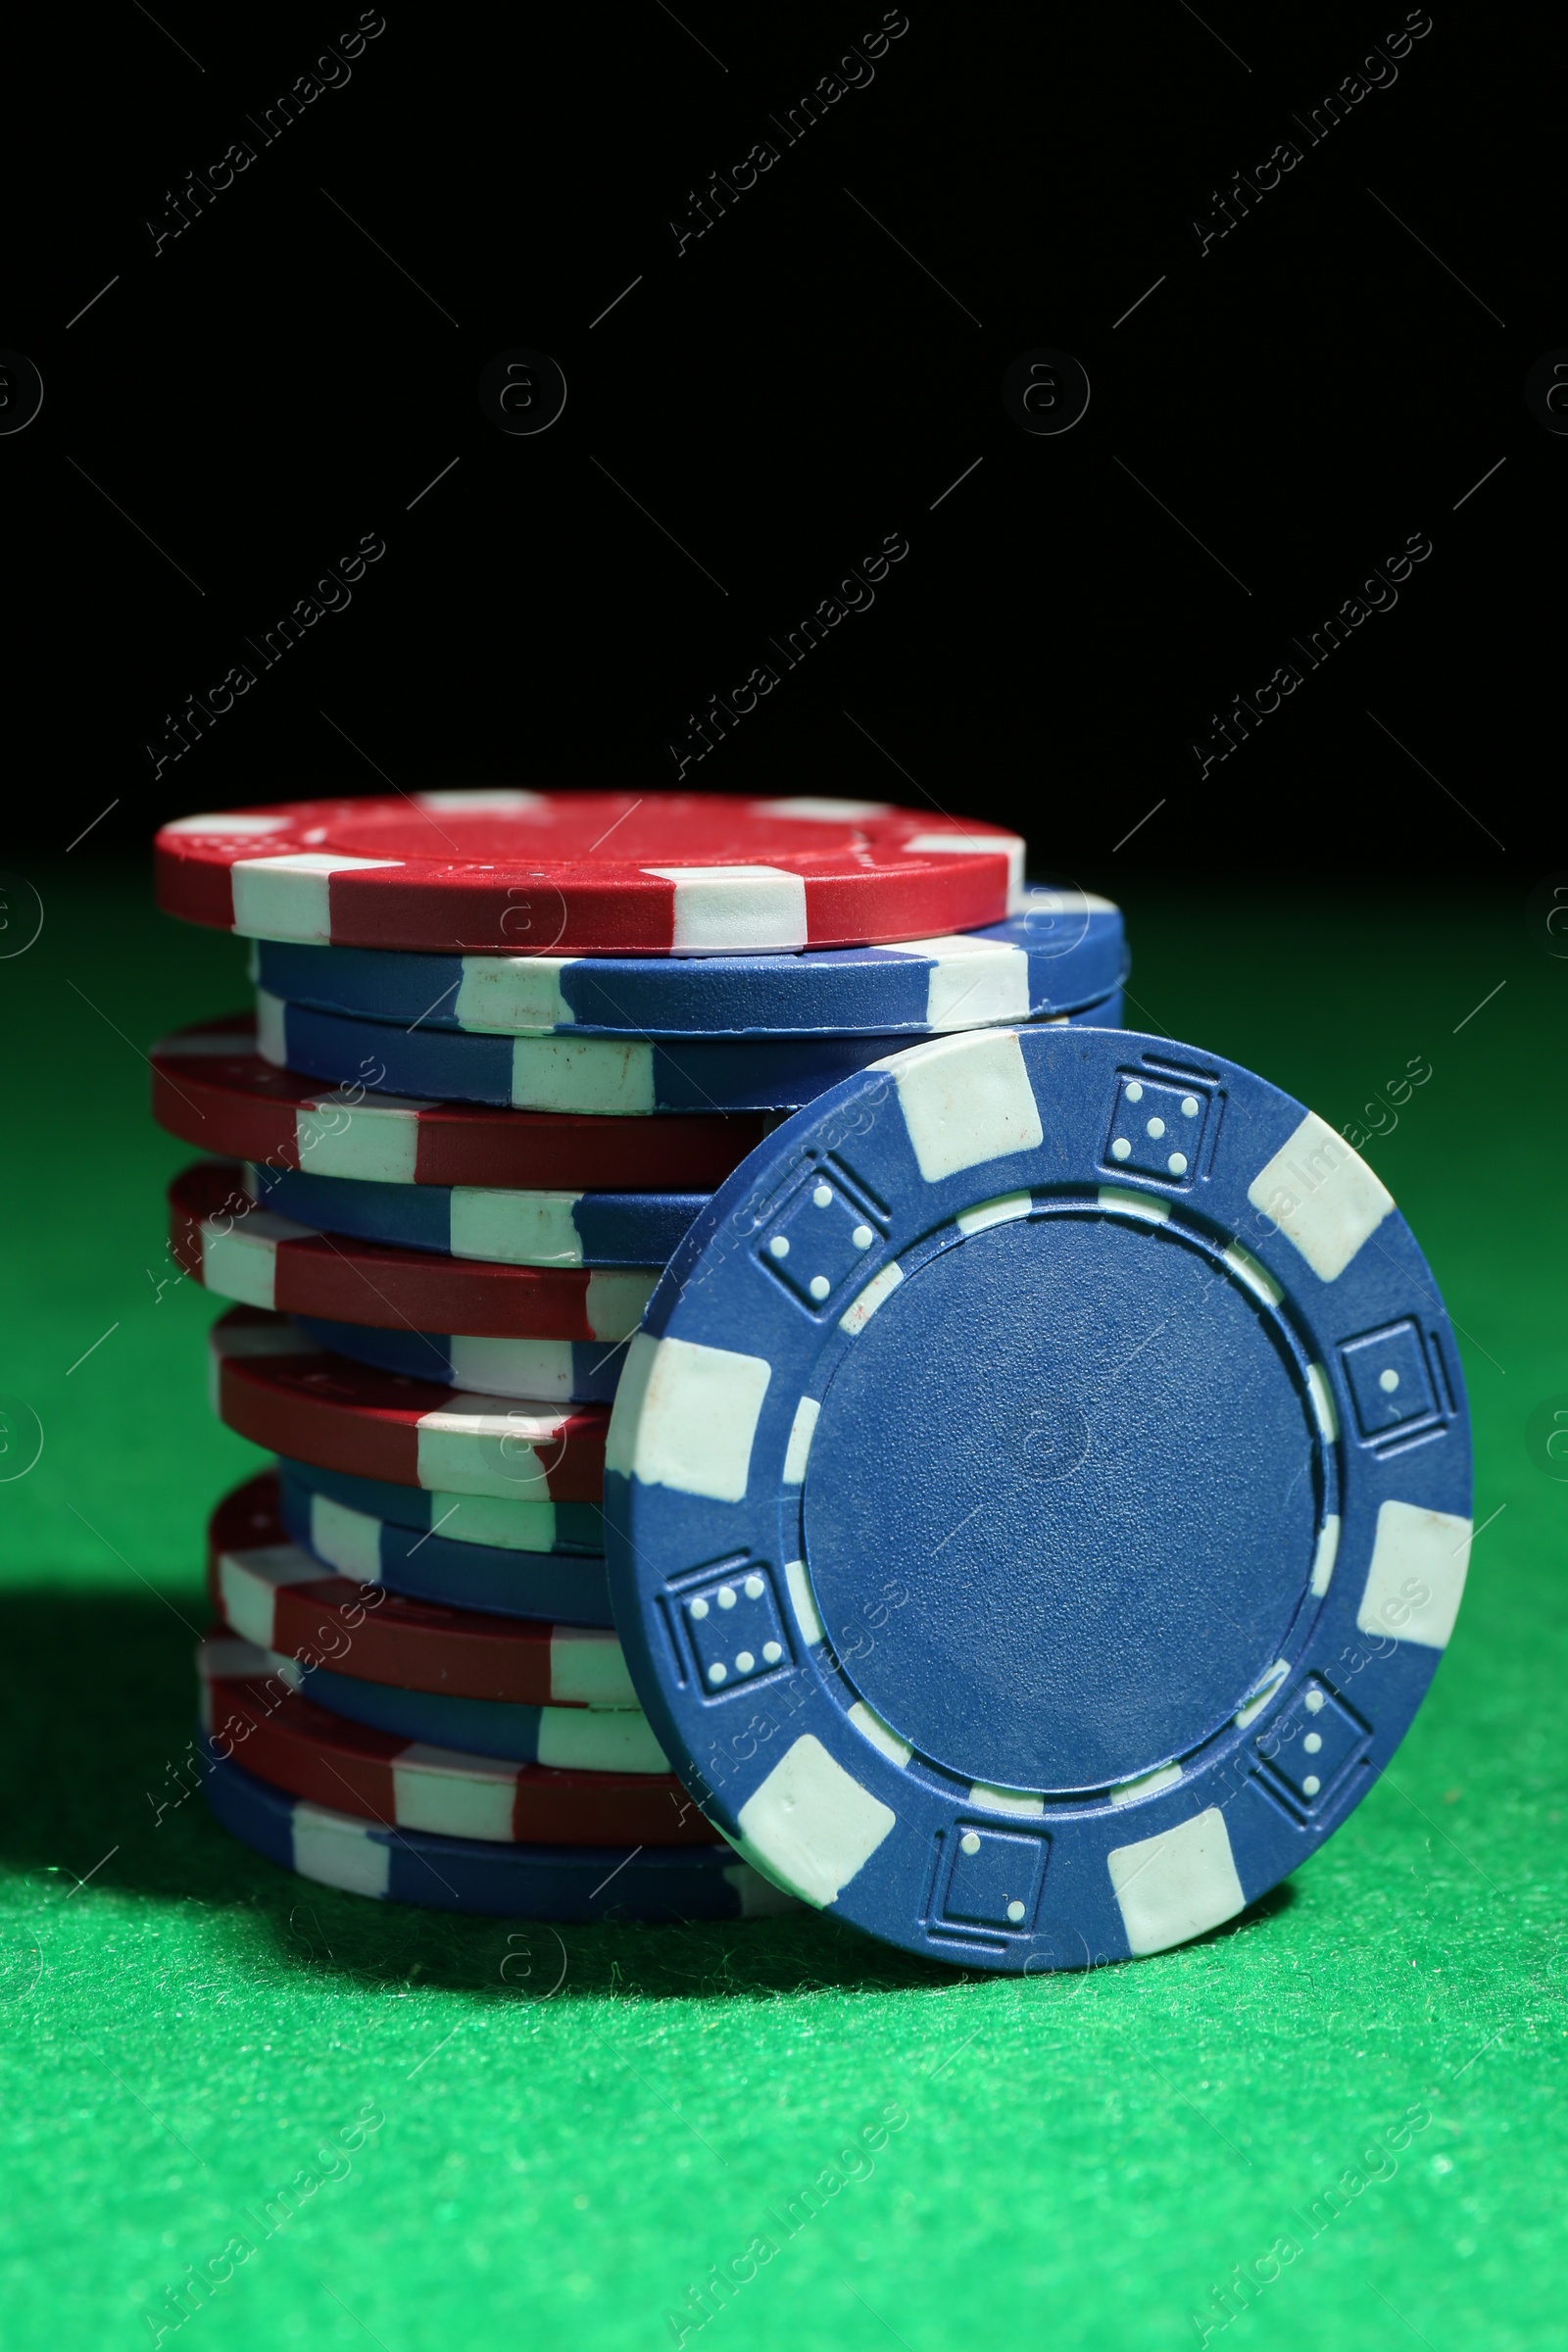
<point x="1062" y="1501"/>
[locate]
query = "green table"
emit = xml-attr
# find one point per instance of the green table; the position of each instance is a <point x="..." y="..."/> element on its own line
<point x="414" y="2131"/>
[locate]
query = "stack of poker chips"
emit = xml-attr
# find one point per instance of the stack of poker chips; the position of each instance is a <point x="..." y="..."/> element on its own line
<point x="505" y="1047"/>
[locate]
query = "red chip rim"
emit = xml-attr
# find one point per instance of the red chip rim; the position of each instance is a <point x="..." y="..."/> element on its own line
<point x="587" y="873"/>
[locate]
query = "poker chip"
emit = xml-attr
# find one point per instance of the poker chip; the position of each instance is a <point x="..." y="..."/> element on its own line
<point x="572" y="1530"/>
<point x="212" y="1089"/>
<point x="606" y="1077"/>
<point x="574" y="1885"/>
<point x="1063" y="951"/>
<point x="271" y="1593"/>
<point x="557" y="1371"/>
<point x="1040" y="1498"/>
<point x="555" y="1587"/>
<point x="275" y="1386"/>
<point x="217" y="1233"/>
<point x="586" y="872"/>
<point x="567" y="1739"/>
<point x="625" y="1231"/>
<point x="249" y="1710"/>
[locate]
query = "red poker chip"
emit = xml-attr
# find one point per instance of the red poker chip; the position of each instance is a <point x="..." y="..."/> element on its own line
<point x="587" y="873"/>
<point x="273" y="1386"/>
<point x="251" y="1716"/>
<point x="212" y="1089"/>
<point x="268" y="1591"/>
<point x="218" y="1234"/>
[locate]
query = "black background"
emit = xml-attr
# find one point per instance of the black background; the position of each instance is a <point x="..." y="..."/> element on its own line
<point x="782" y="394"/>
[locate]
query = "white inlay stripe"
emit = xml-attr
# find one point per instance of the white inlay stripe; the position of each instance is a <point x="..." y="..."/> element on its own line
<point x="1415" y="1580"/>
<point x="799" y="1450"/>
<point x="881" y="1287"/>
<point x="1177" y="1884"/>
<point x="290" y="896"/>
<point x="686" y="1417"/>
<point x="1322" y="1195"/>
<point x="965" y="1099"/>
<point x="810" y="1826"/>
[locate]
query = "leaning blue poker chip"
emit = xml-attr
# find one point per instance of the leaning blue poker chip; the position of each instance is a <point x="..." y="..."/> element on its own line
<point x="566" y="1883"/>
<point x="600" y="1076"/>
<point x="1039" y="1497"/>
<point x="466" y="1221"/>
<point x="555" y="1371"/>
<point x="494" y="1520"/>
<point x="1063" y="951"/>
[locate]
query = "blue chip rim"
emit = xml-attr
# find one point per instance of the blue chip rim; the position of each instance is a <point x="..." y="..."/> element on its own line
<point x="577" y="1884"/>
<point x="1094" y="1305"/>
<point x="1065" y="950"/>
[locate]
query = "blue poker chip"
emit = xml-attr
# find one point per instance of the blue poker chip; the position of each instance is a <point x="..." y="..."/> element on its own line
<point x="599" y="1076"/>
<point x="469" y="1522"/>
<point x="571" y="1738"/>
<point x="1039" y="1497"/>
<point x="1065" y="950"/>
<point x="464" y="1220"/>
<point x="555" y="1371"/>
<point x="331" y="1519"/>
<point x="566" y="1883"/>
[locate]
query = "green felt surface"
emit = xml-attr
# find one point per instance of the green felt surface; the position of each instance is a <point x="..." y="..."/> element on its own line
<point x="1077" y="2161"/>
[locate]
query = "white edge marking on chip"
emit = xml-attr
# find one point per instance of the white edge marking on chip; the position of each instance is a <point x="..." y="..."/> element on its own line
<point x="978" y="845"/>
<point x="1327" y="1545"/>
<point x="248" y="1584"/>
<point x="499" y="800"/>
<point x="975" y="983"/>
<point x="686" y="1416"/>
<point x="1322" y="1195"/>
<point x="1247" y="1269"/>
<point x="1129" y="1793"/>
<point x="502" y="994"/>
<point x="524" y="1229"/>
<point x="446" y="1793"/>
<point x="1005" y="1208"/>
<point x="810" y="1826"/>
<point x="271" y="1031"/>
<point x="1427" y="1551"/>
<point x="798" y="1452"/>
<point x="289" y="898"/>
<point x="1253" y="1705"/>
<point x="376" y="1143"/>
<point x="965" y="1099"/>
<point x="603" y="1077"/>
<point x="821" y="811"/>
<point x="338" y="1852"/>
<point x="240" y="1263"/>
<point x="1322" y="1395"/>
<point x="881" y="1287"/>
<point x="751" y="908"/>
<point x="232" y="1661"/>
<point x="237" y="827"/>
<point x="503" y="1367"/>
<point x="1176" y="1885"/>
<point x="1022" y="1804"/>
<point x="759" y="1897"/>
<point x="805" y="1603"/>
<point x="588" y="1668"/>
<point x="349" y="1541"/>
<point x="1133" y="1205"/>
<point x="615" y="1298"/>
<point x="871" y="1725"/>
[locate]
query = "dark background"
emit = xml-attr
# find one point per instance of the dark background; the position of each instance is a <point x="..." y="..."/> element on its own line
<point x="792" y="387"/>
